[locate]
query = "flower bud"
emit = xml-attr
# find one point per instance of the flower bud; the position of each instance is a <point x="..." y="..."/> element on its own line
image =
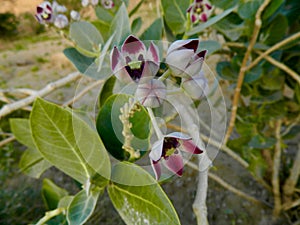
<point x="151" y="94"/>
<point x="195" y="86"/>
<point x="61" y="21"/>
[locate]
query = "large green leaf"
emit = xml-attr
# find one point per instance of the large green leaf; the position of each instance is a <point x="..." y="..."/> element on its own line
<point x="32" y="163"/>
<point x="86" y="37"/>
<point x="52" y="194"/>
<point x="138" y="197"/>
<point x="154" y="31"/>
<point x="136" y="25"/>
<point x="210" y="45"/>
<point x="120" y="26"/>
<point x="175" y="14"/>
<point x="272" y="7"/>
<point x="227" y="71"/>
<point x="276" y="31"/>
<point x="247" y="10"/>
<point x="107" y="90"/>
<point x="210" y="22"/>
<point x="80" y="61"/>
<point x="82" y="206"/>
<point x="69" y="143"/>
<point x="110" y="127"/>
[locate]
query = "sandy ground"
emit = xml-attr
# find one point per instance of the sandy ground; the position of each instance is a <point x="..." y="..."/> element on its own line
<point x="19" y="6"/>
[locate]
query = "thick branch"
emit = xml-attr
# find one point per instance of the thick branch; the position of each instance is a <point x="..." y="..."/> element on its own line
<point x="41" y="93"/>
<point x="243" y="69"/>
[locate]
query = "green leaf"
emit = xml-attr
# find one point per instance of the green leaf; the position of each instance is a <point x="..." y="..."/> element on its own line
<point x="110" y="127"/>
<point x="82" y="206"/>
<point x="52" y="194"/>
<point x="86" y="37"/>
<point x="273" y="81"/>
<point x="175" y="14"/>
<point x="276" y="31"/>
<point x="154" y="31"/>
<point x="210" y="45"/>
<point x="261" y="142"/>
<point x="107" y="90"/>
<point x="232" y="27"/>
<point x="271" y="8"/>
<point x="65" y="201"/>
<point x="224" y="4"/>
<point x="253" y="75"/>
<point x="33" y="164"/>
<point x="136" y="25"/>
<point x="120" y="26"/>
<point x="210" y="22"/>
<point x="80" y="61"/>
<point x="226" y="71"/>
<point x="69" y="143"/>
<point x="103" y="15"/>
<point x="247" y="10"/>
<point x="21" y="130"/>
<point x="138" y="198"/>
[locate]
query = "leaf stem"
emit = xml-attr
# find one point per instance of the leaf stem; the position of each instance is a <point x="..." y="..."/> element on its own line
<point x="165" y="75"/>
<point x="49" y="215"/>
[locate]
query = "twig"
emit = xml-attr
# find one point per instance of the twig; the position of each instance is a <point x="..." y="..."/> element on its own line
<point x="243" y="69"/>
<point x="7" y="140"/>
<point x="216" y="144"/>
<point x="283" y="67"/>
<point x="291" y="181"/>
<point x="273" y="48"/>
<point x="83" y="92"/>
<point x="228" y="186"/>
<point x="289" y="205"/>
<point x="276" y="168"/>
<point x="25" y="91"/>
<point x="41" y="93"/>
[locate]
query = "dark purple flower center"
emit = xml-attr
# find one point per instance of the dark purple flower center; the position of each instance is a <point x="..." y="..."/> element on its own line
<point x="170" y="146"/>
<point x="135" y="68"/>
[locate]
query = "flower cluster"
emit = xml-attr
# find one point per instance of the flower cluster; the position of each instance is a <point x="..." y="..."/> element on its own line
<point x="107" y="4"/>
<point x="199" y="10"/>
<point x="47" y="13"/>
<point x="135" y="63"/>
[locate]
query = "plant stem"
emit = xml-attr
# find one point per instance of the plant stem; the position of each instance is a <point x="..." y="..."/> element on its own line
<point x="41" y="93"/>
<point x="165" y="75"/>
<point x="7" y="140"/>
<point x="244" y="68"/>
<point x="276" y="169"/>
<point x="273" y="48"/>
<point x="154" y="123"/>
<point x="283" y="67"/>
<point x="49" y="215"/>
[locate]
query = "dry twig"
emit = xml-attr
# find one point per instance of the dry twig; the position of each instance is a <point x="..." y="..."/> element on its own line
<point x="7" y="140"/>
<point x="243" y="69"/>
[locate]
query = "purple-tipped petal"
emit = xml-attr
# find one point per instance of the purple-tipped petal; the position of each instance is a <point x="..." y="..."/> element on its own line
<point x="177" y="45"/>
<point x="192" y="44"/>
<point x="156" y="151"/>
<point x="153" y="53"/>
<point x="189" y="146"/>
<point x="115" y="58"/>
<point x="208" y="6"/>
<point x="174" y="163"/>
<point x="203" y="17"/>
<point x="156" y="168"/>
<point x="39" y="9"/>
<point x="194" y="68"/>
<point x="133" y="45"/>
<point x="189" y="9"/>
<point x="179" y="60"/>
<point x="193" y="18"/>
<point x="178" y="135"/>
<point x="202" y="54"/>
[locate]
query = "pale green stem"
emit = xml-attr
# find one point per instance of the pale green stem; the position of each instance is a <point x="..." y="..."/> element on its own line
<point x="49" y="215"/>
<point x="165" y="75"/>
<point x="154" y="123"/>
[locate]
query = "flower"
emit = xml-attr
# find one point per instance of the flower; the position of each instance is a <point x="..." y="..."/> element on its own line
<point x="85" y="3"/>
<point x="49" y="13"/>
<point x="107" y="4"/>
<point x="61" y="21"/>
<point x="75" y="15"/>
<point x="199" y="10"/>
<point x="151" y="94"/>
<point x="183" y="59"/>
<point x="168" y="149"/>
<point x="195" y="86"/>
<point x="134" y="62"/>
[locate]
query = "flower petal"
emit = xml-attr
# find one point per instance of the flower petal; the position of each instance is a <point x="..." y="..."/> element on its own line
<point x="156" y="151"/>
<point x="174" y="163"/>
<point x="61" y="21"/>
<point x="178" y="135"/>
<point x="176" y="45"/>
<point x="115" y="58"/>
<point x="133" y="46"/>
<point x="156" y="168"/>
<point x="192" y="44"/>
<point x="189" y="146"/>
<point x="153" y="53"/>
<point x="194" y="68"/>
<point x="179" y="60"/>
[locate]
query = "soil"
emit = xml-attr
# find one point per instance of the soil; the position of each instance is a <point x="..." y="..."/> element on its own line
<point x="32" y="64"/>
